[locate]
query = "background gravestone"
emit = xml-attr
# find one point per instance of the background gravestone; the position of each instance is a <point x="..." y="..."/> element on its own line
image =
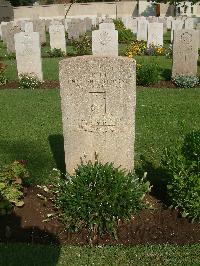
<point x="39" y="26"/>
<point x="10" y="42"/>
<point x="176" y="25"/>
<point x="98" y="97"/>
<point x="105" y="42"/>
<point x="107" y="26"/>
<point x="57" y="37"/>
<point x="28" y="54"/>
<point x="6" y="11"/>
<point x="142" y="30"/>
<point x="155" y="34"/>
<point x="185" y="52"/>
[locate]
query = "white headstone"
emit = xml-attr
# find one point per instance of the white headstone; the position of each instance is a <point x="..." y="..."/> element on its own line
<point x="155" y="34"/>
<point x="176" y="25"/>
<point x="57" y="37"/>
<point x="105" y="42"/>
<point x="98" y="99"/>
<point x="142" y="30"/>
<point x="107" y="26"/>
<point x="28" y="54"/>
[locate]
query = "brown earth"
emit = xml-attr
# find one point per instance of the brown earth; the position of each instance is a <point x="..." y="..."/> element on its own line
<point x="55" y="84"/>
<point x="158" y="225"/>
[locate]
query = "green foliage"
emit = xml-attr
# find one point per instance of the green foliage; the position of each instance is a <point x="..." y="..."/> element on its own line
<point x="11" y="179"/>
<point x="56" y="53"/>
<point x="119" y="25"/>
<point x="83" y="46"/>
<point x="185" y="81"/>
<point x="97" y="196"/>
<point x="29" y="82"/>
<point x="147" y="74"/>
<point x="183" y="165"/>
<point x="125" y="36"/>
<point x="3" y="79"/>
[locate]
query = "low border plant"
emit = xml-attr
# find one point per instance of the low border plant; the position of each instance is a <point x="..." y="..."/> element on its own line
<point x="185" y="81"/>
<point x="12" y="178"/>
<point x="98" y="196"/>
<point x="27" y="81"/>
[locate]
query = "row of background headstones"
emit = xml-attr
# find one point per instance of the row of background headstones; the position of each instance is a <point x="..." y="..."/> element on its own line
<point x="76" y="27"/>
<point x="105" y="43"/>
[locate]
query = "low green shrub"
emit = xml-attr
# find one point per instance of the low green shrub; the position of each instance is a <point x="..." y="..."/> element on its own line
<point x="97" y="196"/>
<point x="3" y="79"/>
<point x="183" y="166"/>
<point x="119" y="25"/>
<point x="147" y="74"/>
<point x="27" y="81"/>
<point x="83" y="46"/>
<point x="56" y="53"/>
<point x="125" y="36"/>
<point x="185" y="81"/>
<point x="12" y="178"/>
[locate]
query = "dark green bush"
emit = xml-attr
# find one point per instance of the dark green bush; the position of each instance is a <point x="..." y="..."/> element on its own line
<point x="83" y="46"/>
<point x="56" y="53"/>
<point x="147" y="74"/>
<point x="183" y="165"/>
<point x="97" y="196"/>
<point x="125" y="36"/>
<point x="12" y="177"/>
<point x="119" y="25"/>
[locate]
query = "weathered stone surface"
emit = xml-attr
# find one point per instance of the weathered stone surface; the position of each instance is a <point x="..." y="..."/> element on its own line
<point x="176" y="25"/>
<point x="6" y="11"/>
<point x="185" y="52"/>
<point x="10" y="42"/>
<point x="98" y="97"/>
<point x="28" y="54"/>
<point x="107" y="26"/>
<point x="39" y="26"/>
<point x="142" y="30"/>
<point x="105" y="42"/>
<point x="155" y="34"/>
<point x="131" y="24"/>
<point x="57" y="37"/>
<point x="28" y="27"/>
<point x="88" y="23"/>
<point x="189" y="23"/>
<point x="169" y="22"/>
<point x="4" y="31"/>
<point x="73" y="30"/>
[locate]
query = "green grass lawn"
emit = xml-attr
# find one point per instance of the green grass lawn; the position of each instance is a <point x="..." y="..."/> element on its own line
<point x="36" y="255"/>
<point x="31" y="125"/>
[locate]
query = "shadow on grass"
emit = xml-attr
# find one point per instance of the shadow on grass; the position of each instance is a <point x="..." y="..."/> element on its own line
<point x="157" y="177"/>
<point x="37" y="158"/>
<point x="13" y="234"/>
<point x="57" y="147"/>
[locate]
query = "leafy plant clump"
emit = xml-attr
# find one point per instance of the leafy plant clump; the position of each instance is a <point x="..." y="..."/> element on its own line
<point x="3" y="79"/>
<point x="155" y="50"/>
<point x="56" y="53"/>
<point x="147" y="74"/>
<point x="185" y="81"/>
<point x="125" y="36"/>
<point x="97" y="196"/>
<point x="12" y="178"/>
<point x="83" y="46"/>
<point x="183" y="166"/>
<point x="136" y="48"/>
<point x="27" y="81"/>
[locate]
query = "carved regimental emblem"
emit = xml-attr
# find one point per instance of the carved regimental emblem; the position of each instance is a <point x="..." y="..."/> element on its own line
<point x="104" y="38"/>
<point x="99" y="121"/>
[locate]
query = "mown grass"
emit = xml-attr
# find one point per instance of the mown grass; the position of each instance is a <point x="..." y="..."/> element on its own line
<point x="37" y="255"/>
<point x="31" y="126"/>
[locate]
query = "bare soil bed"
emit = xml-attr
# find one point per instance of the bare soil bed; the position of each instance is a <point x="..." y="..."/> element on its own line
<point x="158" y="225"/>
